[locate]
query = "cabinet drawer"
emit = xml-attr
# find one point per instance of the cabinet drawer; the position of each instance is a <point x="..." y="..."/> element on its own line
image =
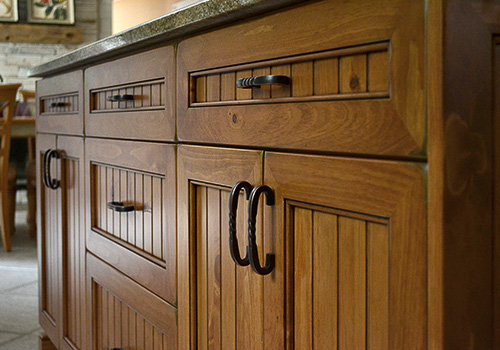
<point x="355" y="72"/>
<point x="124" y="314"/>
<point x="131" y="210"/>
<point x="132" y="97"/>
<point x="60" y="104"/>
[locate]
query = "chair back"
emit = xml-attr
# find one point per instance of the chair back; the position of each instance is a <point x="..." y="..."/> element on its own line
<point x="7" y="105"/>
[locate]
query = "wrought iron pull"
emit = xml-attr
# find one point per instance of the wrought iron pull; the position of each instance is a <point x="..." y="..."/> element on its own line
<point x="247" y="83"/>
<point x="44" y="168"/>
<point x="118" y="98"/>
<point x="233" y="209"/>
<point x="58" y="104"/>
<point x="252" y="250"/>
<point x="48" y="181"/>
<point x="120" y="207"/>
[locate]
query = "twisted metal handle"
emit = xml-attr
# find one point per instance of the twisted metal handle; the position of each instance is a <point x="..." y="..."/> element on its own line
<point x="233" y="208"/>
<point x="248" y="83"/>
<point x="48" y="181"/>
<point x="118" y="98"/>
<point x="252" y="250"/>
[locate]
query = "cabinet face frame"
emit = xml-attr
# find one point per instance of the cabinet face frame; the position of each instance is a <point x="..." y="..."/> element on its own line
<point x="146" y="159"/>
<point x="61" y="243"/>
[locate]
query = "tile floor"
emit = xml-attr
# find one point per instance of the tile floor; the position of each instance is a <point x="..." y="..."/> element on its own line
<point x="19" y="328"/>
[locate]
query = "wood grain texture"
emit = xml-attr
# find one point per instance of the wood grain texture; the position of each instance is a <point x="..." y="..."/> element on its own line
<point x="468" y="182"/>
<point x="496" y="204"/>
<point x="392" y="124"/>
<point x="40" y="34"/>
<point x="126" y="314"/>
<point x="366" y="206"/>
<point x="213" y="292"/>
<point x="142" y="244"/>
<point x="64" y="88"/>
<point x="154" y="119"/>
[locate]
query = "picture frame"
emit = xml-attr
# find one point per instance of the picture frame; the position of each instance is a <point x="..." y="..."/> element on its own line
<point x="9" y="11"/>
<point x="51" y="11"/>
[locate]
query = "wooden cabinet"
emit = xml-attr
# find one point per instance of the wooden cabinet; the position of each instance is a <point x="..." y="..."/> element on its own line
<point x="367" y="173"/>
<point x="61" y="241"/>
<point x="349" y="241"/>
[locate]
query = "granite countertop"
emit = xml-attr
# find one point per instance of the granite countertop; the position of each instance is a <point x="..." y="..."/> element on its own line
<point x="186" y="21"/>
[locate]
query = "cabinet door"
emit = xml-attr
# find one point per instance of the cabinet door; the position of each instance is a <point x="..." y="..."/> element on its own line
<point x="73" y="242"/>
<point x="221" y="305"/>
<point x="349" y="238"/>
<point x="49" y="245"/>
<point x="131" y="210"/>
<point x="124" y="314"/>
<point x="61" y="243"/>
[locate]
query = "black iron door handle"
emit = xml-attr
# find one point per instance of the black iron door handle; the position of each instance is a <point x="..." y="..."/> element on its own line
<point x="44" y="168"/>
<point x="48" y="181"/>
<point x="233" y="209"/>
<point x="118" y="98"/>
<point x="247" y="83"/>
<point x="58" y="104"/>
<point x="120" y="207"/>
<point x="252" y="239"/>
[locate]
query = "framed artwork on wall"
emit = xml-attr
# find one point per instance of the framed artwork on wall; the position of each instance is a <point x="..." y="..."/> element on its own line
<point x="51" y="11"/>
<point x="8" y="11"/>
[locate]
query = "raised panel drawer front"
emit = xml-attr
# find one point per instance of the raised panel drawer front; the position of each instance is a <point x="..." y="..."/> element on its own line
<point x="132" y="97"/>
<point x="131" y="222"/>
<point x="124" y="314"/>
<point x="60" y="104"/>
<point x="328" y="76"/>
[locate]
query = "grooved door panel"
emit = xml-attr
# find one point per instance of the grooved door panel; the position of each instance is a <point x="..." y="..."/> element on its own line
<point x="131" y="210"/>
<point x="125" y="315"/>
<point x="73" y="258"/>
<point x="62" y="243"/>
<point x="49" y="224"/>
<point x="349" y="238"/>
<point x="221" y="305"/>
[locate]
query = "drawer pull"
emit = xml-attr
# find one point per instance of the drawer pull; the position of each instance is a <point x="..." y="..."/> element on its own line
<point x="253" y="252"/>
<point x="119" y="207"/>
<point x="58" y="104"/>
<point x="233" y="209"/>
<point x="118" y="98"/>
<point x="48" y="181"/>
<point x="247" y="83"/>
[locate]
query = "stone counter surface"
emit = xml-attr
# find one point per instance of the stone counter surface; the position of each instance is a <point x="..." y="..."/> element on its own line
<point x="188" y="21"/>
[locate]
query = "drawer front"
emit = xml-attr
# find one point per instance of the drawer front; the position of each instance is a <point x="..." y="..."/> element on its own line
<point x="124" y="314"/>
<point x="355" y="74"/>
<point x="132" y="97"/>
<point x="132" y="210"/>
<point x="60" y="104"/>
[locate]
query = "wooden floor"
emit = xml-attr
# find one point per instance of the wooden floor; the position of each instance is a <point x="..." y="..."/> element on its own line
<point x="19" y="328"/>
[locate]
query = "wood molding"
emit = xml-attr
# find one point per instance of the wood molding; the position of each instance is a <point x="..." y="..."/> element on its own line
<point x="40" y="34"/>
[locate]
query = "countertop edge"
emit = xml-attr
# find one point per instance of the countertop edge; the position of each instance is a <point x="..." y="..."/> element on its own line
<point x="187" y="21"/>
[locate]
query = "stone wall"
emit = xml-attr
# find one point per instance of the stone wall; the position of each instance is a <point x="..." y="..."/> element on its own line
<point x="93" y="16"/>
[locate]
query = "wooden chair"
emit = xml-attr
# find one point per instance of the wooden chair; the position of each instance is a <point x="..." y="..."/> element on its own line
<point x="28" y="96"/>
<point x="7" y="102"/>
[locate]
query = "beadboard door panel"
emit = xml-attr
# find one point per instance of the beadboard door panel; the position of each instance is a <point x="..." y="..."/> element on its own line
<point x="131" y="210"/>
<point x="221" y="305"/>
